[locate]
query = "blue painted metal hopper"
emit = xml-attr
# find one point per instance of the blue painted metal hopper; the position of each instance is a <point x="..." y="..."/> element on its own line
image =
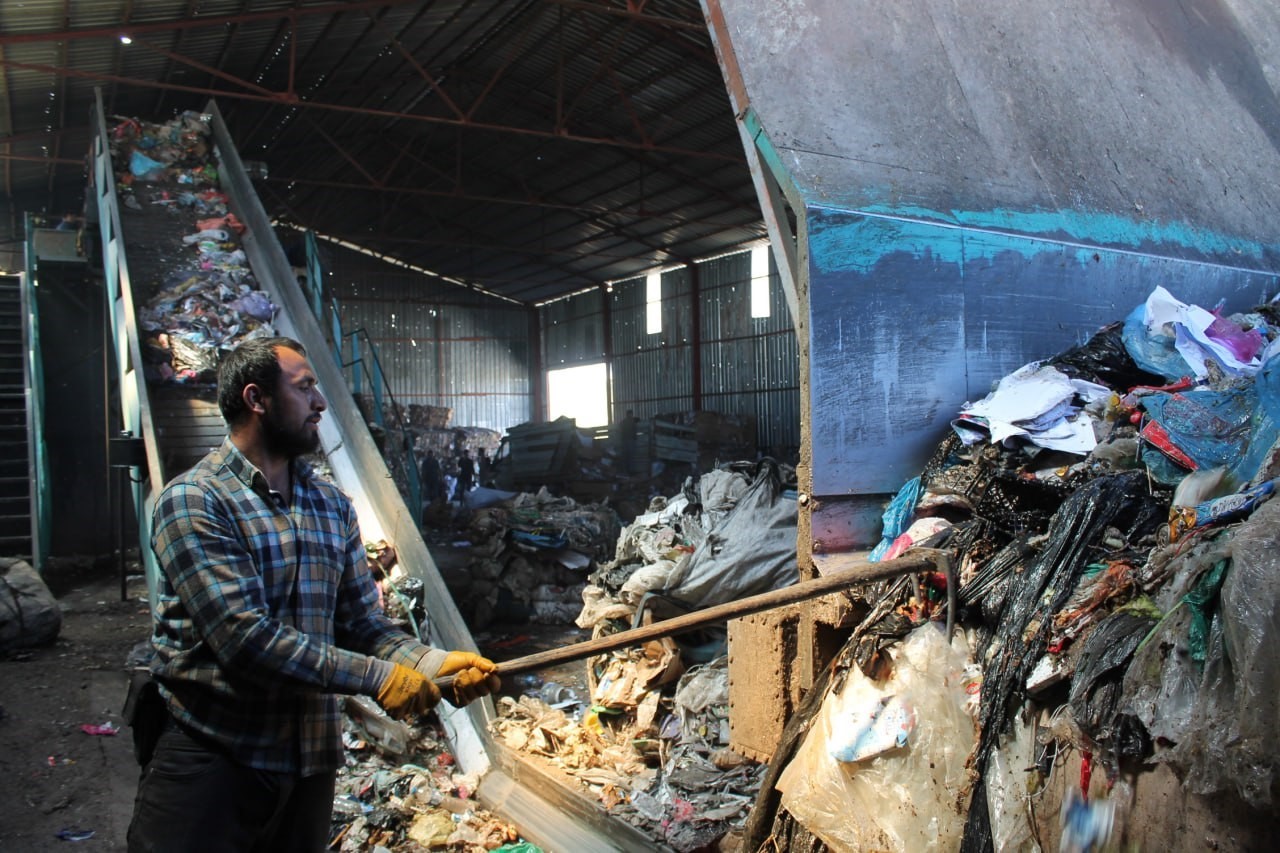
<point x="955" y="189"/>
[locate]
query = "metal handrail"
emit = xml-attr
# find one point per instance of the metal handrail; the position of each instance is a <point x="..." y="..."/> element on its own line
<point x="38" y="458"/>
<point x="399" y="458"/>
<point x="135" y="406"/>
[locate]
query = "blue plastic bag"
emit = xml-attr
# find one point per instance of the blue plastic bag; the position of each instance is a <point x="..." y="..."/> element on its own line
<point x="1227" y="429"/>
<point x="1153" y="350"/>
<point x="141" y="165"/>
<point x="897" y="517"/>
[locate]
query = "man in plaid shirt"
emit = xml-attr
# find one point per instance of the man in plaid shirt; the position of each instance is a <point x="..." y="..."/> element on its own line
<point x="266" y="610"/>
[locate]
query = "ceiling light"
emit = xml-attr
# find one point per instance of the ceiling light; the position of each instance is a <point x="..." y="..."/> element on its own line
<point x="124" y="39"/>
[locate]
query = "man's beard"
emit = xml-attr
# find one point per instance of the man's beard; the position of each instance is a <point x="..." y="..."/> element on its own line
<point x="289" y="443"/>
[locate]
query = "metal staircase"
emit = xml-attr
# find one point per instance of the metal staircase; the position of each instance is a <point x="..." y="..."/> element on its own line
<point x="16" y="475"/>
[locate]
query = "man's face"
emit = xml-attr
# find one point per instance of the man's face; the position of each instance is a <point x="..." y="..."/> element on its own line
<point x="291" y="427"/>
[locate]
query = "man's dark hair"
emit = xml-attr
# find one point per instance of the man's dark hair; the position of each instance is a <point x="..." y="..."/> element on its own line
<point x="253" y="362"/>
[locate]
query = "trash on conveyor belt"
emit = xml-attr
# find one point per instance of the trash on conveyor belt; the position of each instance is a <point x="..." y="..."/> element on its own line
<point x="401" y="791"/>
<point x="196" y="294"/>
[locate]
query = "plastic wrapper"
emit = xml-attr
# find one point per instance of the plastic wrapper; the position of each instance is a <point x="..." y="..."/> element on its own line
<point x="1162" y="681"/>
<point x="896" y="517"/>
<point x="1183" y="519"/>
<point x="1008" y="797"/>
<point x="912" y="797"/>
<point x="1234" y="742"/>
<point x="1152" y="349"/>
<point x="1210" y="427"/>
<point x="1213" y="428"/>
<point x="1104" y="657"/>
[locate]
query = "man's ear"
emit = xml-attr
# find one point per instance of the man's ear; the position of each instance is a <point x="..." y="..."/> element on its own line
<point x="253" y="398"/>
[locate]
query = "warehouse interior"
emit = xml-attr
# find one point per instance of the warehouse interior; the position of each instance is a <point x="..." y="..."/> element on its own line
<point x="508" y="175"/>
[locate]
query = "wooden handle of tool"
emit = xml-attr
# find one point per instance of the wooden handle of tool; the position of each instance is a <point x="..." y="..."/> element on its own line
<point x="858" y="572"/>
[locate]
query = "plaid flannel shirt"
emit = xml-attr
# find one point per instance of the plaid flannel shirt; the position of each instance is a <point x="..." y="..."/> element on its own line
<point x="265" y="609"/>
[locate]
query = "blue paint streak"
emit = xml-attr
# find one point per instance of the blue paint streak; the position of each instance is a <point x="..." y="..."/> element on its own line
<point x="861" y="237"/>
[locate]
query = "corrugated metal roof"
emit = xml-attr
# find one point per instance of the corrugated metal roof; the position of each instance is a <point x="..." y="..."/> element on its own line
<point x="532" y="148"/>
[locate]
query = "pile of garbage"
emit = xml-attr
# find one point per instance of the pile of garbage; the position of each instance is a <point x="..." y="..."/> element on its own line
<point x="200" y="295"/>
<point x="400" y="790"/>
<point x="651" y="741"/>
<point x="664" y="765"/>
<point x="405" y="435"/>
<point x="1119" y="585"/>
<point x="727" y="535"/>
<point x="530" y="556"/>
<point x="719" y="436"/>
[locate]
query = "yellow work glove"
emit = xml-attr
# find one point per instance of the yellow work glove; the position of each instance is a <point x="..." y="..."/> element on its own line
<point x="407" y="691"/>
<point x="472" y="676"/>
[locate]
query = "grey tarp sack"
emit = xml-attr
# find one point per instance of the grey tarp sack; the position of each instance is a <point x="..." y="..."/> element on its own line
<point x="750" y="550"/>
<point x="29" y="614"/>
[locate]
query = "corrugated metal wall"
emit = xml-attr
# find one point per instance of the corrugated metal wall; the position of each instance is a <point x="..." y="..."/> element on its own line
<point x="444" y="345"/>
<point x="439" y="344"/>
<point x="748" y="366"/>
<point x="653" y="374"/>
<point x="573" y="330"/>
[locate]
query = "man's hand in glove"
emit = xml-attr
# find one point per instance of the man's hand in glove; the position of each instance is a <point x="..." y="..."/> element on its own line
<point x="407" y="691"/>
<point x="473" y="676"/>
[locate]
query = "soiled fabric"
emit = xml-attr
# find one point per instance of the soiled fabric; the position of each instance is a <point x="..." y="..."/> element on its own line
<point x="265" y="609"/>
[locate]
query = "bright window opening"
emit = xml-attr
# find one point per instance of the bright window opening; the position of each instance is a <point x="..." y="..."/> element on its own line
<point x="760" y="281"/>
<point x="581" y="393"/>
<point x="653" y="303"/>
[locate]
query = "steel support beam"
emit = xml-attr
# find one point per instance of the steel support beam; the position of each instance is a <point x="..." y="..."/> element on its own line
<point x="134" y="29"/>
<point x="292" y="100"/>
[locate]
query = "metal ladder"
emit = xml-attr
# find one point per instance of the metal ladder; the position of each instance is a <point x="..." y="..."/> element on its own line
<point x="15" y="443"/>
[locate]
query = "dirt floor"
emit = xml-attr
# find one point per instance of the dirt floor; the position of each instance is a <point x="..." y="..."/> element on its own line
<point x="56" y="778"/>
